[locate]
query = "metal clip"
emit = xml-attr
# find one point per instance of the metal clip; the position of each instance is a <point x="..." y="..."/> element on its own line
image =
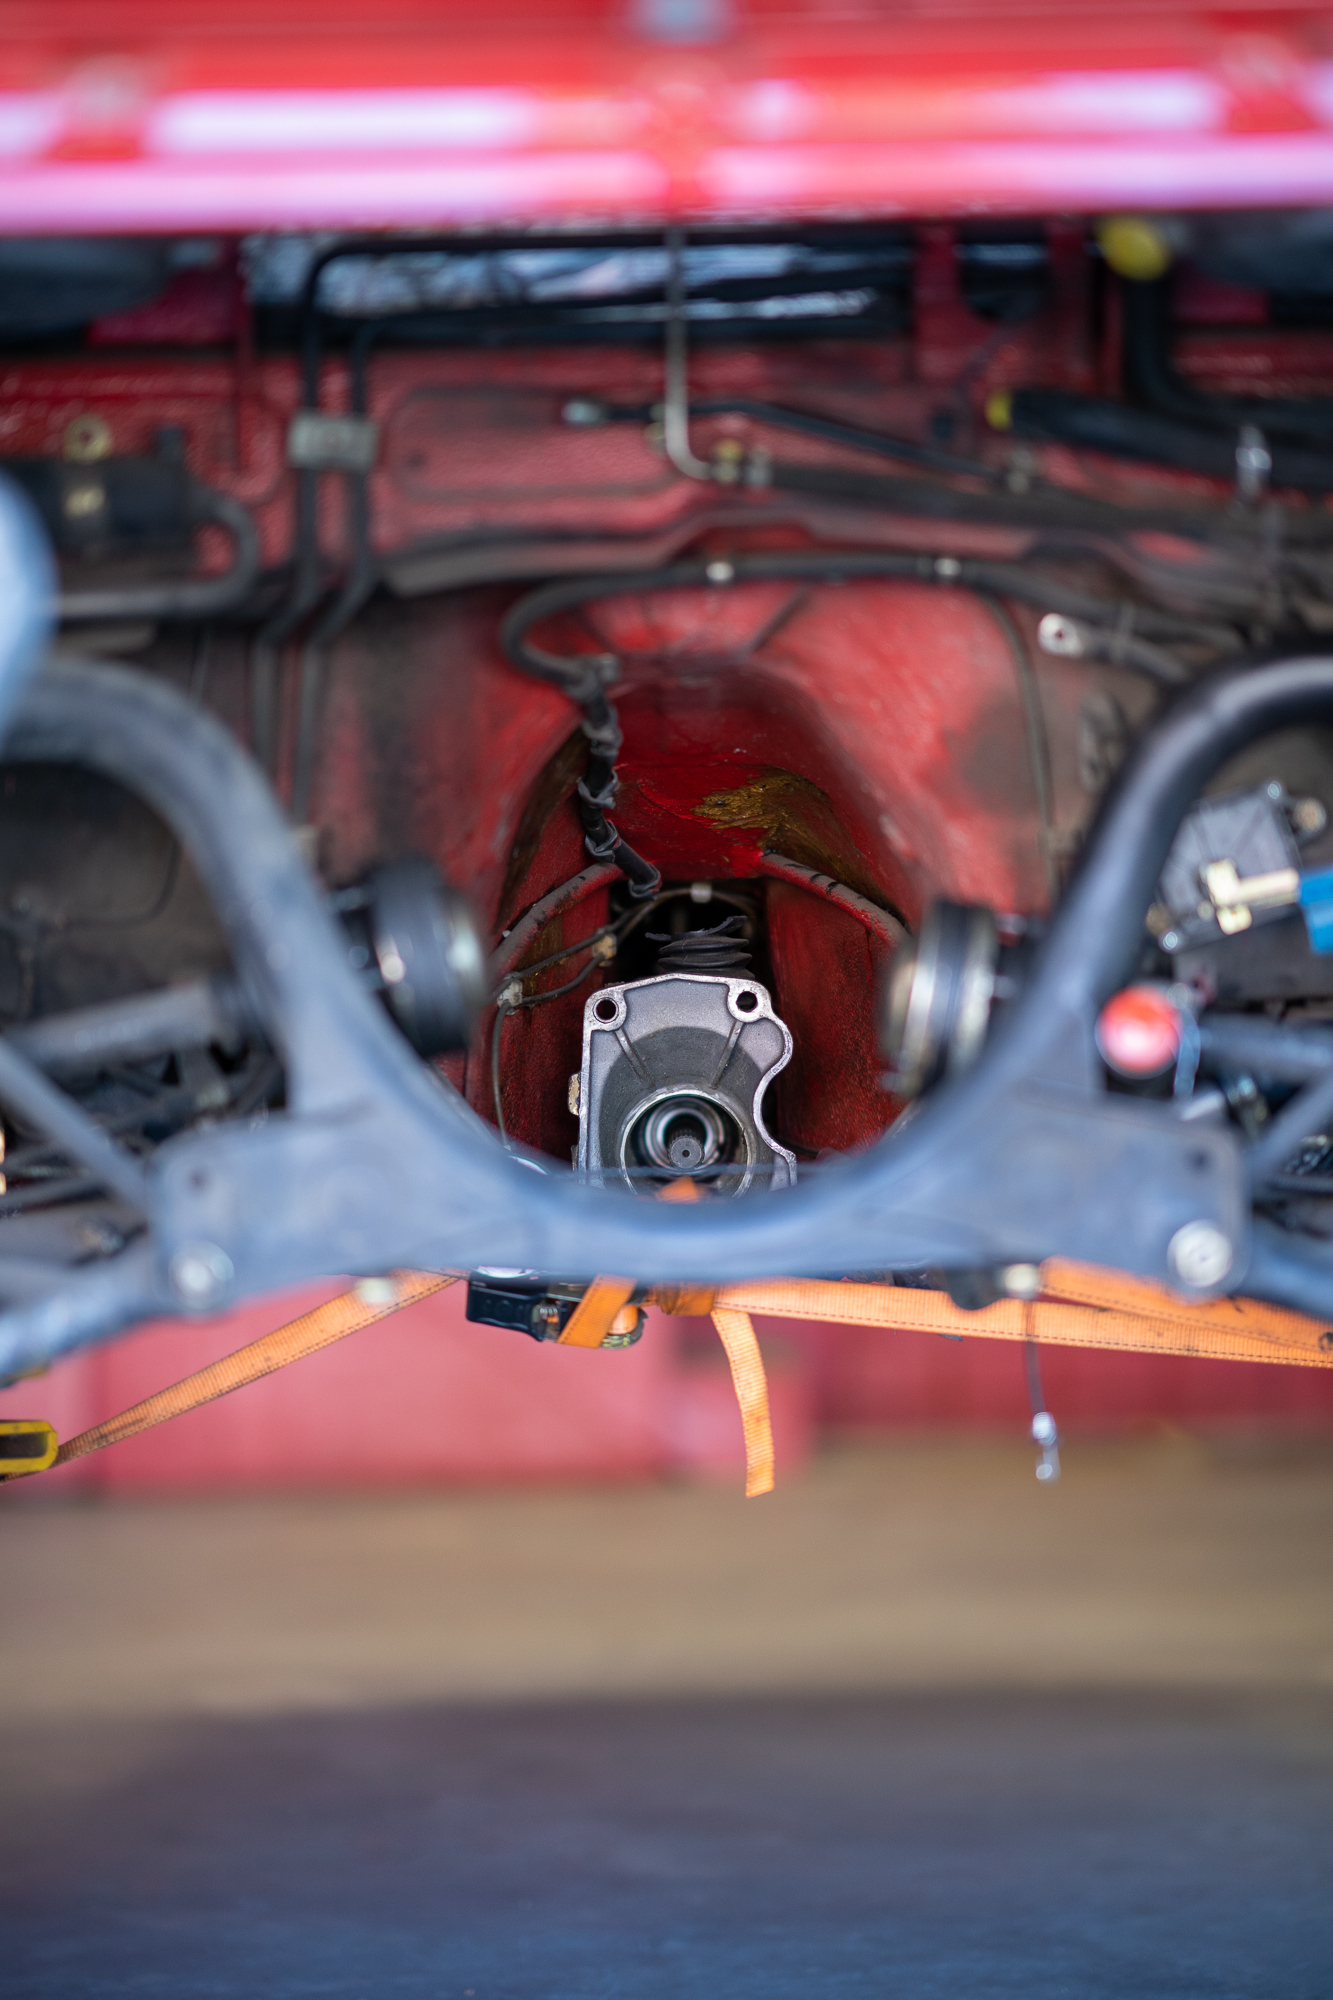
<point x="1063" y="637"/>
<point x="320" y="443"/>
<point x="1254" y="465"/>
<point x="1045" y="1434"/>
<point x="1234" y="899"/>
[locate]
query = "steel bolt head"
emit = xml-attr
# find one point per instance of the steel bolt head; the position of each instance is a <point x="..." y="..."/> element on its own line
<point x="376" y="1291"/>
<point x="1061" y="636"/>
<point x="1199" y="1255"/>
<point x="1020" y="1281"/>
<point x="584" y="412"/>
<point x="200" y="1273"/>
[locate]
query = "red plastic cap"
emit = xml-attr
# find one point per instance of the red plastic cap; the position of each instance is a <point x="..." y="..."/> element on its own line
<point x="1138" y="1032"/>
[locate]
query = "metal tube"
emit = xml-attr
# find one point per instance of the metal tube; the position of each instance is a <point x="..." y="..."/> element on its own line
<point x="1239" y="1041"/>
<point x="194" y="1015"/>
<point x="27" y="581"/>
<point x="26" y="1092"/>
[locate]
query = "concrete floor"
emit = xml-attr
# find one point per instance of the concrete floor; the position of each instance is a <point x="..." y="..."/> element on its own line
<point x="913" y="1726"/>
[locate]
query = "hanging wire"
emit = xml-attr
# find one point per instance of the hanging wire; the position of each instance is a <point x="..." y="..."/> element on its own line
<point x="1045" y="1433"/>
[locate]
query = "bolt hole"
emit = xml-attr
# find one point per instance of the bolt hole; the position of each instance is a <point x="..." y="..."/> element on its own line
<point x="198" y="1180"/>
<point x="1200" y="1161"/>
<point x="746" y="1003"/>
<point x="605" y="1010"/>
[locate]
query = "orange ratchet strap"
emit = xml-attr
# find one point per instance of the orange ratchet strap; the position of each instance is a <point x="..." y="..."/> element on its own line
<point x="740" y="1344"/>
<point x="736" y="1332"/>
<point x="373" y="1300"/>
<point x="1079" y="1305"/>
<point x="596" y="1313"/>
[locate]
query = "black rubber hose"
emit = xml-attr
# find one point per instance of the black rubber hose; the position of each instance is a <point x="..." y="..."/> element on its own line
<point x="1151" y="378"/>
<point x="1092" y="423"/>
<point x="596" y="795"/>
<point x="188" y="600"/>
<point x="583" y="676"/>
<point x="1050" y="509"/>
<point x="1130" y="623"/>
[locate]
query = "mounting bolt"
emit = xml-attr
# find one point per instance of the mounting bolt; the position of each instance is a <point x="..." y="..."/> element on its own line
<point x="87" y="439"/>
<point x="1020" y="1281"/>
<point x="1309" y="816"/>
<point x="200" y="1273"/>
<point x="1199" y="1255"/>
<point x="1061" y="636"/>
<point x="376" y="1291"/>
<point x="584" y="413"/>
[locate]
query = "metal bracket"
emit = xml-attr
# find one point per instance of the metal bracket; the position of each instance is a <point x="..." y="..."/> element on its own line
<point x="320" y="443"/>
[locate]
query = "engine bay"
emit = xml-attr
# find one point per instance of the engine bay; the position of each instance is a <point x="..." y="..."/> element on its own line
<point x="834" y="714"/>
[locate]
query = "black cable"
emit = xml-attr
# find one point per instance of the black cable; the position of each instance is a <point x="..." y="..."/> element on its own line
<point x="554" y="992"/>
<point x="505" y="1007"/>
<point x="497" y="1026"/>
<point x="596" y="794"/>
<point x="584" y="680"/>
<point x="619" y="930"/>
<point x="555" y="958"/>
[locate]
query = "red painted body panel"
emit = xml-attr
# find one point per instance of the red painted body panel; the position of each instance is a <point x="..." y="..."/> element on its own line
<point x="144" y="117"/>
